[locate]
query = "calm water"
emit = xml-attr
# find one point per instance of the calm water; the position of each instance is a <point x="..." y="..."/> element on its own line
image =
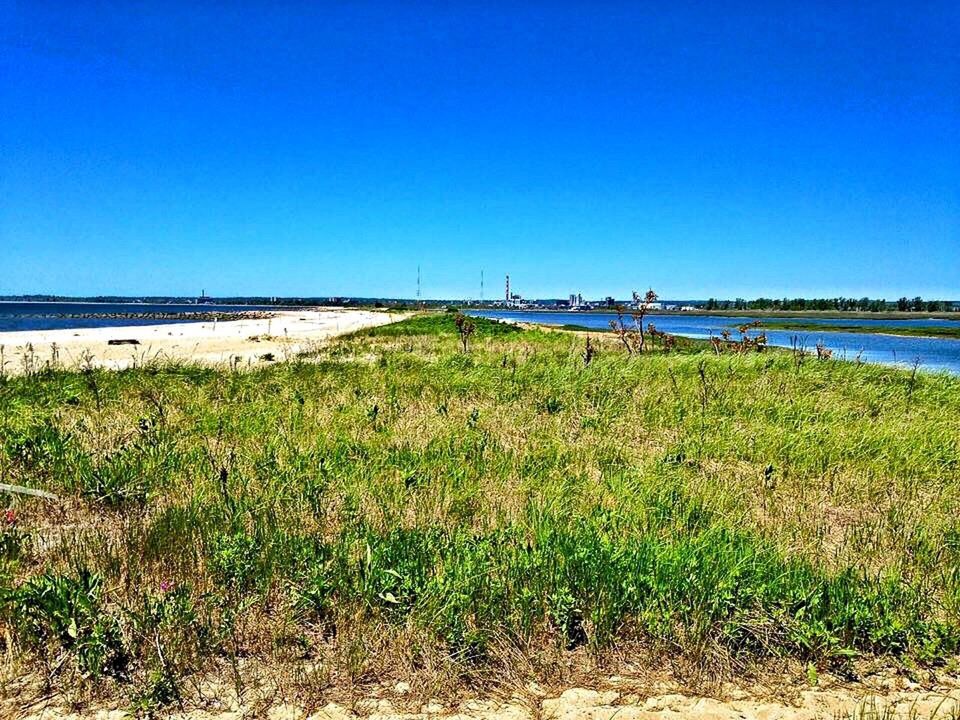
<point x="933" y="353"/>
<point x="16" y="316"/>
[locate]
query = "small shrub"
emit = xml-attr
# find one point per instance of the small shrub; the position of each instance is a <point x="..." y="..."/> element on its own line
<point x="53" y="614"/>
<point x="465" y="327"/>
<point x="235" y="561"/>
<point x="314" y="572"/>
<point x="567" y="618"/>
<point x="42" y="448"/>
<point x="745" y="344"/>
<point x="314" y="593"/>
<point x="126" y="476"/>
<point x="117" y="481"/>
<point x="168" y="636"/>
<point x="11" y="537"/>
<point x="632" y="336"/>
<point x="394" y="568"/>
<point x="161" y="690"/>
<point x="551" y="405"/>
<point x="588" y="352"/>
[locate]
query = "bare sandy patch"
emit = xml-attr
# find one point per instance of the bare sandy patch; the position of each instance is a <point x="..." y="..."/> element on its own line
<point x="236" y="343"/>
<point x="580" y="704"/>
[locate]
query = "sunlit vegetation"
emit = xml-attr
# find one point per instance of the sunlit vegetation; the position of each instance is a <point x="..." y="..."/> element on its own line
<point x="417" y="499"/>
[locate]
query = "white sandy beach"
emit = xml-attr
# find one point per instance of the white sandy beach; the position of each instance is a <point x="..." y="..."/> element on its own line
<point x="235" y="342"/>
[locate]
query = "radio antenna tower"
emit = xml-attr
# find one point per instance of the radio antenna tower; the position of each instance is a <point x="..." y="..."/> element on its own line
<point x="481" y="286"/>
<point x="418" y="284"/>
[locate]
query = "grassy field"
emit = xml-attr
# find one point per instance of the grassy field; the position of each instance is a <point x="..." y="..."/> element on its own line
<point x="392" y="507"/>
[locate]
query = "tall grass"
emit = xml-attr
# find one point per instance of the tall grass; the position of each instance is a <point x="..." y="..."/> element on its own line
<point x="717" y="509"/>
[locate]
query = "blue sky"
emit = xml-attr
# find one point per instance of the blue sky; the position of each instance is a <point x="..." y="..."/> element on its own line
<point x="724" y="149"/>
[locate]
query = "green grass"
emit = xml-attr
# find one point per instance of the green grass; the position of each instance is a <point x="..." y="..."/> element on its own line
<point x="438" y="324"/>
<point x="395" y="506"/>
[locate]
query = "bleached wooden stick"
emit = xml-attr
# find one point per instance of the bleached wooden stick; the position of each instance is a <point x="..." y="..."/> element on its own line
<point x="20" y="490"/>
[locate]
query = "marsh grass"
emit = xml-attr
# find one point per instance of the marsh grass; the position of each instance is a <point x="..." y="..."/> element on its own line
<point x="392" y="506"/>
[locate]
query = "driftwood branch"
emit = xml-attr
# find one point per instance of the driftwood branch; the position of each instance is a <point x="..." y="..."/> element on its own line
<point x="20" y="490"/>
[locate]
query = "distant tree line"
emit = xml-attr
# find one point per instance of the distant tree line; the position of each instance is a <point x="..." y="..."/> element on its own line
<point x="865" y="304"/>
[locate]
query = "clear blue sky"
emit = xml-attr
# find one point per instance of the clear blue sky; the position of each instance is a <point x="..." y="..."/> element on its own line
<point x="703" y="149"/>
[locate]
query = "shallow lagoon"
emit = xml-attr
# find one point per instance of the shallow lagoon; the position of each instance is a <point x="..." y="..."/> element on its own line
<point x="932" y="353"/>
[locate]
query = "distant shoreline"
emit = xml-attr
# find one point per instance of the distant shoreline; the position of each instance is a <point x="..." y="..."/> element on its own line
<point x="174" y="315"/>
<point x="820" y="314"/>
<point x="930" y="331"/>
<point x="132" y="302"/>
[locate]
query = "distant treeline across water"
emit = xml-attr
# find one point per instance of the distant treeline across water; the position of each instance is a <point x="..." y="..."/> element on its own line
<point x="842" y="304"/>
